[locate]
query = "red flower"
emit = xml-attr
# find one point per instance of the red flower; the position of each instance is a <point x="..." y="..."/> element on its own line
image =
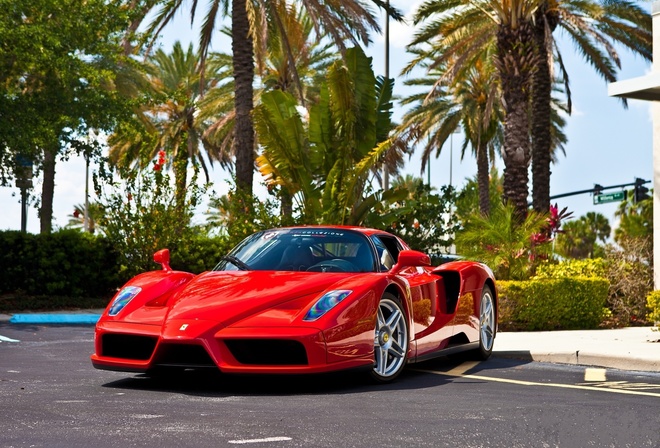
<point x="76" y="214"/>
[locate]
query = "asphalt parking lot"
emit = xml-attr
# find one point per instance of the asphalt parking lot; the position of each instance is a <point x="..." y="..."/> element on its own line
<point x="51" y="396"/>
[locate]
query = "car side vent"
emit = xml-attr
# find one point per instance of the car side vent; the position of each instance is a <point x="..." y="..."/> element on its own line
<point x="274" y="352"/>
<point x="127" y="346"/>
<point x="183" y="355"/>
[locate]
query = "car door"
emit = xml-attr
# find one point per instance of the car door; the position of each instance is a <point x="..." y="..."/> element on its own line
<point x="429" y="315"/>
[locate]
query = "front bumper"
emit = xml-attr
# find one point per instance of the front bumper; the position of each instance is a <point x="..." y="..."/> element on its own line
<point x="133" y="347"/>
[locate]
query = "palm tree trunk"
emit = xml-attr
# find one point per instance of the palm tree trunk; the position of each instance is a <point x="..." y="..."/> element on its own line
<point x="243" y="51"/>
<point x="515" y="64"/>
<point x="181" y="181"/>
<point x="48" y="190"/>
<point x="483" y="180"/>
<point x="541" y="120"/>
<point x="286" y="204"/>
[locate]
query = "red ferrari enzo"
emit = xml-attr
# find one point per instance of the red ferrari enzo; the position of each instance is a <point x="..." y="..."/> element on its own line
<point x="301" y="300"/>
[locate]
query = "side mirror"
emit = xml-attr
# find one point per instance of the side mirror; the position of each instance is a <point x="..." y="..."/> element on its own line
<point x="163" y="258"/>
<point x="411" y="258"/>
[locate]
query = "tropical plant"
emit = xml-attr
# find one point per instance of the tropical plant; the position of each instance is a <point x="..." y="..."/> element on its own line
<point x="580" y="237"/>
<point x="470" y="103"/>
<point x="237" y="215"/>
<point x="469" y="196"/>
<point x="324" y="163"/>
<point x="342" y="20"/>
<point x="466" y="32"/>
<point x="170" y="125"/>
<point x="521" y="31"/>
<point x="594" y="27"/>
<point x="425" y="219"/>
<point x="142" y="216"/>
<point x="296" y="62"/>
<point x="88" y="221"/>
<point x="636" y="218"/>
<point x="510" y="246"/>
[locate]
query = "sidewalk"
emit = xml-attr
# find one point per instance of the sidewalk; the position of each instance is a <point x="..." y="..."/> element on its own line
<point x="633" y="348"/>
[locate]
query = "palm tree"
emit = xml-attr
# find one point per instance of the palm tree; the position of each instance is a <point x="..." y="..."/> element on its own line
<point x="297" y="63"/>
<point x="579" y="237"/>
<point x="95" y="214"/>
<point x="466" y="32"/>
<point x="522" y="31"/>
<point x="171" y="123"/>
<point x="594" y="27"/>
<point x="470" y="102"/>
<point x="342" y="20"/>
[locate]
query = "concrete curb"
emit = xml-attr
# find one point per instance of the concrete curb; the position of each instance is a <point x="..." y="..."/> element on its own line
<point x="584" y="359"/>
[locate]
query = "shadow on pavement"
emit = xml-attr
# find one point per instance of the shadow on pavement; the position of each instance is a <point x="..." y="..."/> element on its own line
<point x="214" y="383"/>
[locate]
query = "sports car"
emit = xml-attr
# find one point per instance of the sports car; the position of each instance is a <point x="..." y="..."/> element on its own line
<point x="298" y="300"/>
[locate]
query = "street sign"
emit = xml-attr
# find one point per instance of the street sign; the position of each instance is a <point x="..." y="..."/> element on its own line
<point x="609" y="197"/>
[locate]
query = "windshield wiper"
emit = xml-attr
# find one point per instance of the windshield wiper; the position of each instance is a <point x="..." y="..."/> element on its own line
<point x="236" y="262"/>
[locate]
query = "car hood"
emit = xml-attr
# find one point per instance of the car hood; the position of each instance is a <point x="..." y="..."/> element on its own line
<point x="229" y="296"/>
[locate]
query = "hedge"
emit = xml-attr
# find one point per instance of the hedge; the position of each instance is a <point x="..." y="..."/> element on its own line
<point x="73" y="269"/>
<point x="552" y="304"/>
<point x="199" y="254"/>
<point x="65" y="263"/>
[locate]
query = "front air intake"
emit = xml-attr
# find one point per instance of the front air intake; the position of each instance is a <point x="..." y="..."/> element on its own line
<point x="126" y="346"/>
<point x="267" y="352"/>
<point x="183" y="355"/>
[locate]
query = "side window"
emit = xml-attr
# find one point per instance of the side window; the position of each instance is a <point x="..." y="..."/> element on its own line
<point x="388" y="251"/>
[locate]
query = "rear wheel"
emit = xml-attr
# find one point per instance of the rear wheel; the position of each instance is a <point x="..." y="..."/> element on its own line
<point x="487" y="324"/>
<point x="390" y="340"/>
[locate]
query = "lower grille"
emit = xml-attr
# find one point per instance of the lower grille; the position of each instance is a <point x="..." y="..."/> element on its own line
<point x="127" y="346"/>
<point x="277" y="352"/>
<point x="183" y="355"/>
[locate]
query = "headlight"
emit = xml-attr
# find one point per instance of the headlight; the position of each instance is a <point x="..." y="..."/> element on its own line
<point x="325" y="304"/>
<point x="122" y="299"/>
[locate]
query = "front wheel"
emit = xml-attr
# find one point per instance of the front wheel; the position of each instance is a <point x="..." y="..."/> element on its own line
<point x="391" y="340"/>
<point x="487" y="324"/>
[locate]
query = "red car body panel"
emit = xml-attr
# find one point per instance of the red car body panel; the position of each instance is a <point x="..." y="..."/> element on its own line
<point x="254" y="321"/>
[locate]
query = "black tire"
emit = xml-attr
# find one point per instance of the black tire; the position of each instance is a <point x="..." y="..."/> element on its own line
<point x="487" y="324"/>
<point x="391" y="340"/>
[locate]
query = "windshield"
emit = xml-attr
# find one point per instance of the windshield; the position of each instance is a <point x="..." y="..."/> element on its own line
<point x="302" y="249"/>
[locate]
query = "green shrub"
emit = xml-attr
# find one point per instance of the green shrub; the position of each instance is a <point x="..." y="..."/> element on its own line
<point x="589" y="267"/>
<point x="653" y="305"/>
<point x="552" y="304"/>
<point x="630" y="281"/>
<point x="199" y="253"/>
<point x="143" y="214"/>
<point x="65" y="263"/>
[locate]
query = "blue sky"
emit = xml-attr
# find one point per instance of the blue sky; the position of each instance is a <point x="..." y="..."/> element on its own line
<point x="607" y="144"/>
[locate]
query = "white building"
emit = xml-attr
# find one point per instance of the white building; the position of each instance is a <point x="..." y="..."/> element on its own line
<point x="648" y="88"/>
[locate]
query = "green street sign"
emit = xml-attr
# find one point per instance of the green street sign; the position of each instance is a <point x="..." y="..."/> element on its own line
<point x="609" y="197"/>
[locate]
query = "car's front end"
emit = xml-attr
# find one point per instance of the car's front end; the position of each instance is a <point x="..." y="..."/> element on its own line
<point x="244" y="322"/>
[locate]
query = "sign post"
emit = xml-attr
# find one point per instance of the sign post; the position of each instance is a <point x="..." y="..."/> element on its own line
<point x="24" y="182"/>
